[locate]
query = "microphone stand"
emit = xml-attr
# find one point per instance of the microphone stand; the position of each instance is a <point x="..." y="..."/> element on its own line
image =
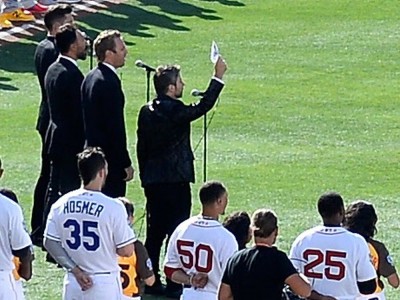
<point x="148" y="71"/>
<point x="90" y="43"/>
<point x="205" y="149"/>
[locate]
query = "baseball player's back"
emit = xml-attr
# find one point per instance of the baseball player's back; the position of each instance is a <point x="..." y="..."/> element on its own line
<point x="13" y="237"/>
<point x="201" y="245"/>
<point x="90" y="226"/>
<point x="333" y="259"/>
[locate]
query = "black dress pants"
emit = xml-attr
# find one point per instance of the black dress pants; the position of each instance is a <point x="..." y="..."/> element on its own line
<point x="64" y="178"/>
<point x="115" y="185"/>
<point x="167" y="206"/>
<point x="39" y="198"/>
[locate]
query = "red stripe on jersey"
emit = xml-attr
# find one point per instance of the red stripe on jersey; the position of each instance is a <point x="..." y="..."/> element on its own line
<point x="169" y="271"/>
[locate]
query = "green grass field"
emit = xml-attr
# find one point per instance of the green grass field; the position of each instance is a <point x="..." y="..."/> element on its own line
<point x="310" y="105"/>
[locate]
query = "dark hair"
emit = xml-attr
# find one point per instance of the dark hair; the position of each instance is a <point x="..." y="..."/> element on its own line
<point x="238" y="223"/>
<point x="66" y="37"/>
<point x="211" y="191"/>
<point x="9" y="194"/>
<point x="329" y="204"/>
<point x="264" y="222"/>
<point x="90" y="162"/>
<point x="360" y="217"/>
<point x="164" y="76"/>
<point x="130" y="209"/>
<point x="105" y="41"/>
<point x="56" y="13"/>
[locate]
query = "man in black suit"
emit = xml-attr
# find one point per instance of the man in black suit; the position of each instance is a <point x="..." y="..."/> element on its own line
<point x="103" y="111"/>
<point x="166" y="158"/>
<point x="65" y="134"/>
<point x="46" y="53"/>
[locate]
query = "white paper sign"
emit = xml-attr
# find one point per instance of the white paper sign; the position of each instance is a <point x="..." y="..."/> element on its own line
<point x="214" y="54"/>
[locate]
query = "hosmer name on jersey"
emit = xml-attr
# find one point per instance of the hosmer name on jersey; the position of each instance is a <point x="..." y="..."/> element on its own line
<point x="83" y="207"/>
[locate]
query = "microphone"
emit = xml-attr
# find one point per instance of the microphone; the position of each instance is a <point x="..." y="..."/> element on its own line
<point x="141" y="64"/>
<point x="197" y="93"/>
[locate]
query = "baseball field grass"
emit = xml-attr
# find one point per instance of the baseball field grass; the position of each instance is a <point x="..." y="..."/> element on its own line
<point x="311" y="104"/>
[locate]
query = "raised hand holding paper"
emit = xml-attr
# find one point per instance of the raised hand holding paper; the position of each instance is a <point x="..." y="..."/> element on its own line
<point x="214" y="54"/>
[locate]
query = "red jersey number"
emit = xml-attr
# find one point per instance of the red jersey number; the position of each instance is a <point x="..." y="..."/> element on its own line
<point x="335" y="268"/>
<point x="200" y="257"/>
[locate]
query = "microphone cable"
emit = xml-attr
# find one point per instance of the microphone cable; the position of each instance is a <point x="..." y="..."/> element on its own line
<point x="207" y="126"/>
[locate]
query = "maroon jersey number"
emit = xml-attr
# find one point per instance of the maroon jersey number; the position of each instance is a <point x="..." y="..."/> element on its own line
<point x="335" y="269"/>
<point x="190" y="255"/>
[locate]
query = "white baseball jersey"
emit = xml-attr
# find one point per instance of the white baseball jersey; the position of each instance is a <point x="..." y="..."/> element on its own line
<point x="13" y="235"/>
<point x="333" y="259"/>
<point x="201" y="245"/>
<point x="90" y="226"/>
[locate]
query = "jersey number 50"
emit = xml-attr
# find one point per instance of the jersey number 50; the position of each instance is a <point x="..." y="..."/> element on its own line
<point x="190" y="258"/>
<point x="331" y="259"/>
<point x="84" y="230"/>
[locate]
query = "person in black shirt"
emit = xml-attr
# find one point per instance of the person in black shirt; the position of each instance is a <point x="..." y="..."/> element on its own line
<point x="260" y="272"/>
<point x="103" y="103"/>
<point x="46" y="53"/>
<point x="65" y="135"/>
<point x="165" y="158"/>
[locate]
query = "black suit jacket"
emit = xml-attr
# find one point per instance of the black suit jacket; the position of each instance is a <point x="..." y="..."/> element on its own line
<point x="163" y="137"/>
<point x="46" y="53"/>
<point x="65" y="135"/>
<point x="103" y="104"/>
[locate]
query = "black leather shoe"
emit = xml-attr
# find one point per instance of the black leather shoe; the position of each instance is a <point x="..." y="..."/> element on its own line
<point x="37" y="241"/>
<point x="157" y="289"/>
<point x="173" y="294"/>
<point x="173" y="290"/>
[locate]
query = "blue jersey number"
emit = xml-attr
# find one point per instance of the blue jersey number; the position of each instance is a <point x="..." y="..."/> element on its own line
<point x="88" y="232"/>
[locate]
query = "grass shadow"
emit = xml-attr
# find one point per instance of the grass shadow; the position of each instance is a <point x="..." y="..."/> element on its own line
<point x="227" y="2"/>
<point x="18" y="57"/>
<point x="5" y="86"/>
<point x="176" y="7"/>
<point x="133" y="20"/>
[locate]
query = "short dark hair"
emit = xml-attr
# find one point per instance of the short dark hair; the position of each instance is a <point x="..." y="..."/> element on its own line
<point x="9" y="194"/>
<point x="66" y="37"/>
<point x="130" y="209"/>
<point x="56" y="13"/>
<point x="360" y="217"/>
<point x="329" y="204"/>
<point x="164" y="76"/>
<point x="238" y="223"/>
<point x="90" y="162"/>
<point x="211" y="191"/>
<point x="264" y="222"/>
<point x="105" y="41"/>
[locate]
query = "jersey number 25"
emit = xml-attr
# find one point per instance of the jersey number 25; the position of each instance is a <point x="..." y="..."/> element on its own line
<point x="335" y="269"/>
